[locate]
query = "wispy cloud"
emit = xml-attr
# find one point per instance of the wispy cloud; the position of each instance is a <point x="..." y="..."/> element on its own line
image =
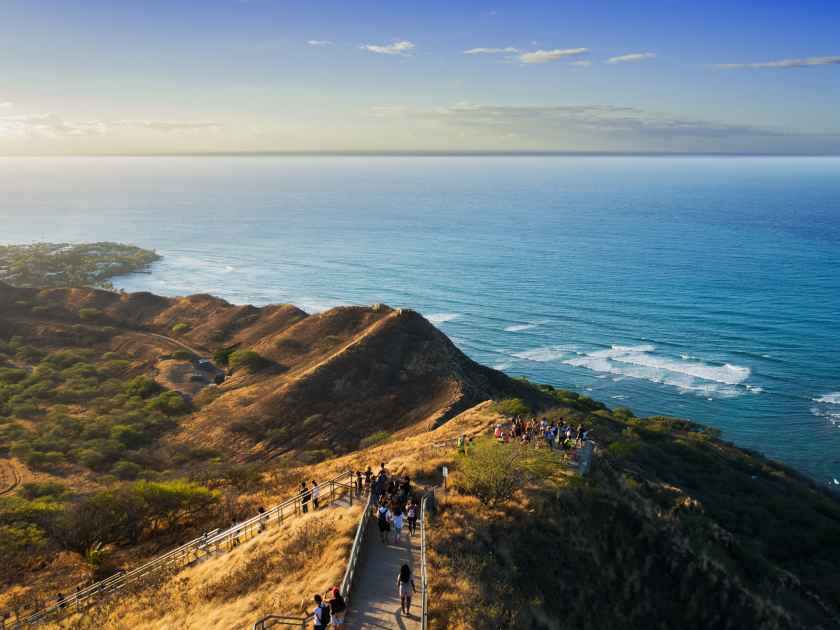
<point x="632" y="57"/>
<point x="490" y="51"/>
<point x="785" y="63"/>
<point x="546" y="56"/>
<point x="556" y="122"/>
<point x="55" y="126"/>
<point x="319" y="42"/>
<point x="397" y="48"/>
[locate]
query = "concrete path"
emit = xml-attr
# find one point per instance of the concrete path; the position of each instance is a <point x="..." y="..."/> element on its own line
<point x="375" y="602"/>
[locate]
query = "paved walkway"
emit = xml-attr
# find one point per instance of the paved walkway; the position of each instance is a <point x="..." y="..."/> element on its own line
<point x="375" y="600"/>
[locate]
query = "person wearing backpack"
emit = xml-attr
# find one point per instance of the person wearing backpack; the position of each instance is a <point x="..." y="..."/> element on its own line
<point x="338" y="607"/>
<point x="382" y="523"/>
<point x="321" y="614"/>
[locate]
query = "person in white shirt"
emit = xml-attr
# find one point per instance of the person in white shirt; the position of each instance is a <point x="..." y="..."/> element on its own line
<point x="397" y="521"/>
<point x="316" y="492"/>
<point x="318" y="614"/>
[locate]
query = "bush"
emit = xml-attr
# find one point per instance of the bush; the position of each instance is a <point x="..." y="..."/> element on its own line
<point x="246" y="359"/>
<point x="142" y="386"/>
<point x="183" y="355"/>
<point x="374" y="439"/>
<point x="512" y="407"/>
<point x="494" y="472"/>
<point x="89" y="314"/>
<point x="222" y="355"/>
<point x="180" y="327"/>
<point x="169" y="403"/>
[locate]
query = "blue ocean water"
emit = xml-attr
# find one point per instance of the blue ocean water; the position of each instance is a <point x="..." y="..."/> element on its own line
<point x="707" y="288"/>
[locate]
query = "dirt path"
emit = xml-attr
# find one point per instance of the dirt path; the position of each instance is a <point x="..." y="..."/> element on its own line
<point x="197" y="353"/>
<point x="9" y="477"/>
<point x="375" y="601"/>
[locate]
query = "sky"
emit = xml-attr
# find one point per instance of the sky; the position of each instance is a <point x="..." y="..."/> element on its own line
<point x="177" y="76"/>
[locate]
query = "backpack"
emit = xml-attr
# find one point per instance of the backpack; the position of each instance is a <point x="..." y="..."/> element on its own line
<point x="338" y="604"/>
<point x="325" y="615"/>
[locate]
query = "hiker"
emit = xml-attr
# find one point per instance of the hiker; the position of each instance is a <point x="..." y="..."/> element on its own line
<point x="397" y="520"/>
<point x="411" y="515"/>
<point x="235" y="539"/>
<point x="321" y="614"/>
<point x="383" y="524"/>
<point x="263" y="519"/>
<point x="378" y="488"/>
<point x="368" y="475"/>
<point x="316" y="492"/>
<point x="304" y="497"/>
<point x="358" y="483"/>
<point x="461" y="445"/>
<point x="338" y="607"/>
<point x="59" y="601"/>
<point x="405" y="585"/>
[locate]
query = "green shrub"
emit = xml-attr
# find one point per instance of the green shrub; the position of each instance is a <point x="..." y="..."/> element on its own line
<point x="374" y="439"/>
<point x="222" y="355"/>
<point x="512" y="407"/>
<point x="246" y="359"/>
<point x="126" y="470"/>
<point x="89" y="314"/>
<point x="169" y="403"/>
<point x="183" y="355"/>
<point x="493" y="472"/>
<point x="180" y="327"/>
<point x="142" y="386"/>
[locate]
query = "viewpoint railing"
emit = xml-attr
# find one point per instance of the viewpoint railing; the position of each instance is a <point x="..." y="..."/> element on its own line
<point x="346" y="583"/>
<point x="209" y="542"/>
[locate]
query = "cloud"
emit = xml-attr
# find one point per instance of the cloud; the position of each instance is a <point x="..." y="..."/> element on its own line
<point x="55" y="126"/>
<point x="490" y="51"/>
<point x="397" y="48"/>
<point x="546" y="56"/>
<point x="319" y="42"/>
<point x="6" y="105"/>
<point x="785" y="63"/>
<point x="632" y="57"/>
<point x="555" y="123"/>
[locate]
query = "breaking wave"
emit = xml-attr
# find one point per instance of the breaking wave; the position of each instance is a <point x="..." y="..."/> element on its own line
<point x="688" y="375"/>
<point x="440" y="318"/>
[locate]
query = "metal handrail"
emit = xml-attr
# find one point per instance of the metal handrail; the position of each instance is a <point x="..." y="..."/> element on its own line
<point x="203" y="545"/>
<point x="272" y="620"/>
<point x="355" y="550"/>
<point x="424" y="577"/>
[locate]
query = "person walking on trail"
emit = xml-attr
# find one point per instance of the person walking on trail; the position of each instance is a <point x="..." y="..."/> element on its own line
<point x="316" y="492"/>
<point x="382" y="523"/>
<point x="321" y="614"/>
<point x="368" y="475"/>
<point x="304" y="497"/>
<point x="397" y="521"/>
<point x="379" y="488"/>
<point x="405" y="585"/>
<point x="358" y="483"/>
<point x="411" y="516"/>
<point x="338" y="607"/>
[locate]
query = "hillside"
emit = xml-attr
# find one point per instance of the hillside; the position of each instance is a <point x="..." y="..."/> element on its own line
<point x="107" y="401"/>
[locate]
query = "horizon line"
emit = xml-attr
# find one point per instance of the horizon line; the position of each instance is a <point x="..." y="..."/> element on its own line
<point x="430" y="153"/>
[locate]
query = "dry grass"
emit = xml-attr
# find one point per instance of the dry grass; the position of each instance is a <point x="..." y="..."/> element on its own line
<point x="278" y="571"/>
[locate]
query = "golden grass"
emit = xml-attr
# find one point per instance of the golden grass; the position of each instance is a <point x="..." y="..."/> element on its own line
<point x="278" y="572"/>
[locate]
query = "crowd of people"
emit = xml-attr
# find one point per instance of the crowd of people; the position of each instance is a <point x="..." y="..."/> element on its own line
<point x="395" y="507"/>
<point x="542" y="431"/>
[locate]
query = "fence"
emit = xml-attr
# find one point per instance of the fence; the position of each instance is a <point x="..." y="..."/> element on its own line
<point x="208" y="543"/>
<point x="346" y="583"/>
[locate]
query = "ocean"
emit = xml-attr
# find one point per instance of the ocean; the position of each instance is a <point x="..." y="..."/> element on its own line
<point x="700" y="287"/>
